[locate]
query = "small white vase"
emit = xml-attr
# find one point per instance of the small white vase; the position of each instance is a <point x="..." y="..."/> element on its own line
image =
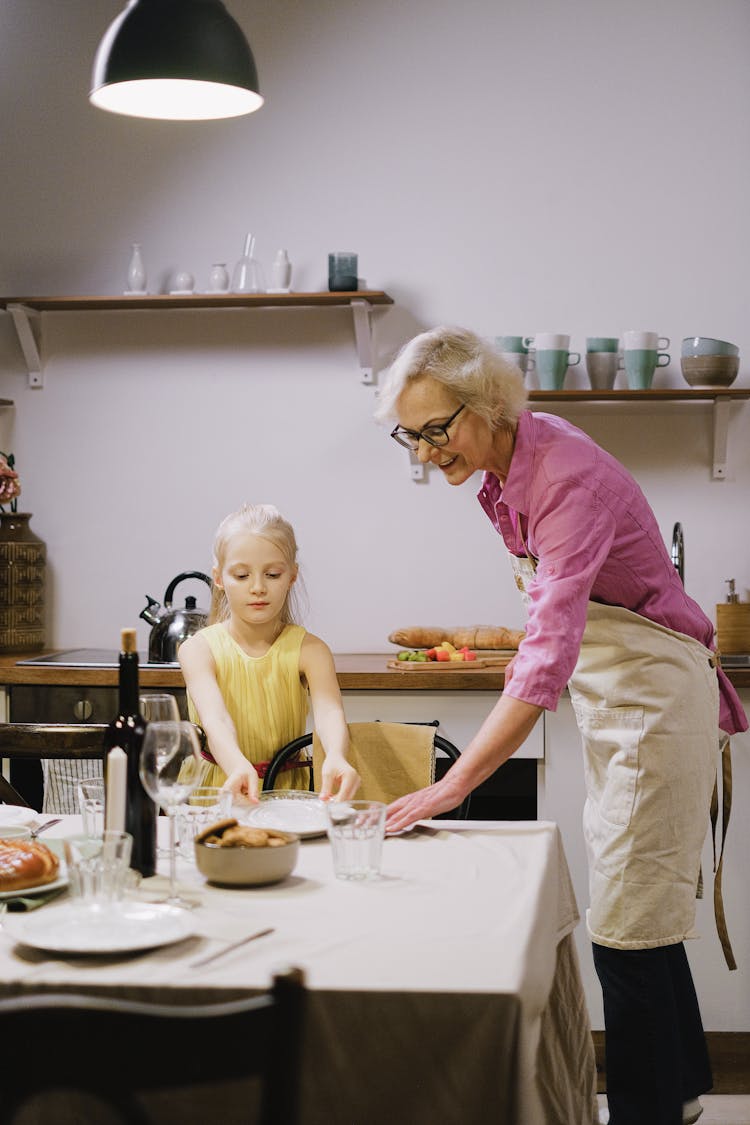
<point x="218" y="278"/>
<point x="281" y="273"/>
<point x="136" y="271"/>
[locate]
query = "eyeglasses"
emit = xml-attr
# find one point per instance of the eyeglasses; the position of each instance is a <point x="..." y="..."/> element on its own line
<point x="433" y="435"/>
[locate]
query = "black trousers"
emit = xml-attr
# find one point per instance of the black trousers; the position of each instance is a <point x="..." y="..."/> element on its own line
<point x="656" y="1055"/>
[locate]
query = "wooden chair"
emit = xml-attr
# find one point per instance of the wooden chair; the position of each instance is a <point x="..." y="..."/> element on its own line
<point x="118" y="1052"/>
<point x="34" y="741"/>
<point x="298" y="746"/>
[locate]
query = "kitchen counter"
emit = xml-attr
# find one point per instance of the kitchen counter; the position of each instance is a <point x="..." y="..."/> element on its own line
<point x="356" y="672"/>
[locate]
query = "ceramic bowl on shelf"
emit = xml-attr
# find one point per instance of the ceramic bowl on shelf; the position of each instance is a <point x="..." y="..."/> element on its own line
<point x="706" y="345"/>
<point x="704" y="372"/>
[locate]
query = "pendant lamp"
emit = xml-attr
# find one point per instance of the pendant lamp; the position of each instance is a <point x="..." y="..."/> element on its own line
<point x="178" y="60"/>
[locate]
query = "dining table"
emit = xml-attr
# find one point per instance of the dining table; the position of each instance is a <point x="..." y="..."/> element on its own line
<point x="446" y="990"/>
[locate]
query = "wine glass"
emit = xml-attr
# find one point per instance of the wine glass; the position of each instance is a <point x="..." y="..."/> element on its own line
<point x="170" y="769"/>
<point x="159" y="708"/>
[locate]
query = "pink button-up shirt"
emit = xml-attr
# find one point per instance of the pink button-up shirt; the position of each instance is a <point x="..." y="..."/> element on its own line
<point x="583" y="516"/>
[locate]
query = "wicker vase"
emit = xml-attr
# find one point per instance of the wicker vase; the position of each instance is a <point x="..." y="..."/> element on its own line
<point x="23" y="558"/>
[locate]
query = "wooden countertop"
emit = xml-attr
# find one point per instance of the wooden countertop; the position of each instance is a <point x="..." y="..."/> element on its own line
<point x="356" y="672"/>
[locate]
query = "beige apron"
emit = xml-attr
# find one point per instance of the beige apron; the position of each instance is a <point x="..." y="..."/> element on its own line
<point x="646" y="701"/>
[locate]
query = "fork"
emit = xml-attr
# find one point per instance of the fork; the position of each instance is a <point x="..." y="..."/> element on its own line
<point x="43" y="827"/>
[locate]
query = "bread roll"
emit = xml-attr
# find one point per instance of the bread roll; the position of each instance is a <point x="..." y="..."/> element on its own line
<point x="26" y="863"/>
<point x="473" y="636"/>
<point x="419" y="636"/>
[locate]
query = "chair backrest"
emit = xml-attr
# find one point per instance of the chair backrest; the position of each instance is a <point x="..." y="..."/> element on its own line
<point x="116" y="1051"/>
<point x="380" y="752"/>
<point x="34" y="741"/>
<point x="51" y="740"/>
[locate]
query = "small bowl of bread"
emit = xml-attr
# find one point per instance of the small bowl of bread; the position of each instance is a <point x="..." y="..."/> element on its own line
<point x="237" y="855"/>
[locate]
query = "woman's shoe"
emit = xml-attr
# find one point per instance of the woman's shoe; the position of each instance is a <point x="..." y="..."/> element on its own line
<point x="691" y="1111"/>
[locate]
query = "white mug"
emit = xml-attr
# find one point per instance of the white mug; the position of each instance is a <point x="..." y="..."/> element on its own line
<point x="644" y="341"/>
<point x="547" y="341"/>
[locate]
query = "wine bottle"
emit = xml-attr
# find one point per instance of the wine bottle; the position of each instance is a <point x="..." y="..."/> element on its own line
<point x="126" y="731"/>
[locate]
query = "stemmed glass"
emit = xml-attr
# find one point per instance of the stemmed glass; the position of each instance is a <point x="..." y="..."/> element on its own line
<point x="159" y="707"/>
<point x="170" y="769"/>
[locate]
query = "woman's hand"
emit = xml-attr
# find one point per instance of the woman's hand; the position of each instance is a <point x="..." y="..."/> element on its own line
<point x="422" y="805"/>
<point x="339" y="779"/>
<point x="242" y="783"/>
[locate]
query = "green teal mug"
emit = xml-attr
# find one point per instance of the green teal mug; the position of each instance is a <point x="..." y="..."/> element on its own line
<point x="640" y="364"/>
<point x="510" y="344"/>
<point x="551" y="366"/>
<point x="602" y="343"/>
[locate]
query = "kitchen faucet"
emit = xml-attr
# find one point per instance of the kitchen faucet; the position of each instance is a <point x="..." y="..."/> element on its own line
<point x="678" y="551"/>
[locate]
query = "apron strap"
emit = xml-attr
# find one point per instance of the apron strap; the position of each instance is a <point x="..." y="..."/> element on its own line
<point x="726" y="788"/>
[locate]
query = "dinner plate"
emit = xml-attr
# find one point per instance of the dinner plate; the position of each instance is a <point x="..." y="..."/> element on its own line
<point x="44" y="889"/>
<point x="289" y="810"/>
<point x="18" y="814"/>
<point x="120" y="928"/>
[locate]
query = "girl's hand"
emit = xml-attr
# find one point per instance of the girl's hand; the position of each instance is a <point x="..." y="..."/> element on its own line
<point x="243" y="784"/>
<point x="337" y="772"/>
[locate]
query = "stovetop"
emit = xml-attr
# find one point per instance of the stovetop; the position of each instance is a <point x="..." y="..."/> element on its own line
<point x="89" y="658"/>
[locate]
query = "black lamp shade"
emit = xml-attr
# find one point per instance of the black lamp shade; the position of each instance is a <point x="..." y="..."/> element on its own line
<point x="175" y="59"/>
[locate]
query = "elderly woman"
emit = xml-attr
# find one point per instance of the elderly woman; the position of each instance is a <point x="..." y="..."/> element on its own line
<point x="608" y="618"/>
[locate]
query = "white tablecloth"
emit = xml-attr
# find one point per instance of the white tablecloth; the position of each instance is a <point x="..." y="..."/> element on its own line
<point x="446" y="991"/>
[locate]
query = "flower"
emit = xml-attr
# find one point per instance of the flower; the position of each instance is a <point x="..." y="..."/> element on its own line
<point x="10" y="486"/>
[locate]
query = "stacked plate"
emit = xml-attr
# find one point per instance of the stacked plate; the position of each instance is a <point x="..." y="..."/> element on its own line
<point x="708" y="363"/>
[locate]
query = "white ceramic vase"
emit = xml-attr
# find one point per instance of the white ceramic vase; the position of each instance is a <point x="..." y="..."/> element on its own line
<point x="136" y="271"/>
<point x="281" y="273"/>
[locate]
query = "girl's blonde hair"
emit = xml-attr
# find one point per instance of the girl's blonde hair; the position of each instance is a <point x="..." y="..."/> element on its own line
<point x="465" y="363"/>
<point x="254" y="519"/>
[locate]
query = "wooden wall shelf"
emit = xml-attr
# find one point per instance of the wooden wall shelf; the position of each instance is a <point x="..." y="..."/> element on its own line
<point x="27" y="312"/>
<point x="657" y="394"/>
<point x="720" y="397"/>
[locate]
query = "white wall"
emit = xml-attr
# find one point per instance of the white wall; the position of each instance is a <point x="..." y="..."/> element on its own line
<point x="513" y="167"/>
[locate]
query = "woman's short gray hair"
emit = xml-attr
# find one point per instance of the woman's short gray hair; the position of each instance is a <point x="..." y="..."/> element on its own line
<point x="468" y="365"/>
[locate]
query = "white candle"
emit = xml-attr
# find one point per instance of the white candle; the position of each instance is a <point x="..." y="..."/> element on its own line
<point x="114" y="807"/>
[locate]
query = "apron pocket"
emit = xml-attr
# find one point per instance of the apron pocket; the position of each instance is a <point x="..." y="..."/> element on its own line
<point x="611" y="741"/>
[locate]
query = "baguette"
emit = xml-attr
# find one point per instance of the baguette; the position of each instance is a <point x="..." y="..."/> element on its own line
<point x="473" y="636"/>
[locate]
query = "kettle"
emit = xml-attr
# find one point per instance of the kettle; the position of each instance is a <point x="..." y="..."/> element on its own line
<point x="170" y="627"/>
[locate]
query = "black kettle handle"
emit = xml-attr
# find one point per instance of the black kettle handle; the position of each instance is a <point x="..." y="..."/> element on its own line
<point x="180" y="578"/>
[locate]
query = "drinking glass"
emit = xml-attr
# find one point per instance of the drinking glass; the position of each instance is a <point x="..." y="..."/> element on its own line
<point x="158" y="708"/>
<point x="170" y="769"/>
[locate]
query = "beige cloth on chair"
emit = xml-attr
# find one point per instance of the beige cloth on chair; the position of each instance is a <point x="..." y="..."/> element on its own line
<point x="392" y="759"/>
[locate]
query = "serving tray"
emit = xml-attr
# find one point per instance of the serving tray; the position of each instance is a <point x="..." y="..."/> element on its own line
<point x="488" y="661"/>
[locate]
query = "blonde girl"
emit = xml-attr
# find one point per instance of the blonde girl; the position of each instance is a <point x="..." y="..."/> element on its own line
<point x="252" y="672"/>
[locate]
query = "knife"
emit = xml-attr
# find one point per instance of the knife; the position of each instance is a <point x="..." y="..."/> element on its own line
<point x="228" y="948"/>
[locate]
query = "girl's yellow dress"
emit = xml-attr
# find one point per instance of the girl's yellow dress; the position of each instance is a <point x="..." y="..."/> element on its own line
<point x="264" y="696"/>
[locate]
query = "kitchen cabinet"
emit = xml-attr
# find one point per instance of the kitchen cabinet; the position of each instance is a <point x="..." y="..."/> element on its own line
<point x="27" y="313"/>
<point x="721" y="399"/>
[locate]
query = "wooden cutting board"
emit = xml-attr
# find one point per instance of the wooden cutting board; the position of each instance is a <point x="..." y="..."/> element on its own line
<point x="490" y="659"/>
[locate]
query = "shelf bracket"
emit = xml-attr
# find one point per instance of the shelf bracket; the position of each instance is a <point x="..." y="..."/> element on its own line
<point x="23" y="320"/>
<point x="722" y="408"/>
<point x="363" y="337"/>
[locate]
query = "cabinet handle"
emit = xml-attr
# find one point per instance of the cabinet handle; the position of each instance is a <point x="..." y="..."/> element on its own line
<point x="83" y="709"/>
